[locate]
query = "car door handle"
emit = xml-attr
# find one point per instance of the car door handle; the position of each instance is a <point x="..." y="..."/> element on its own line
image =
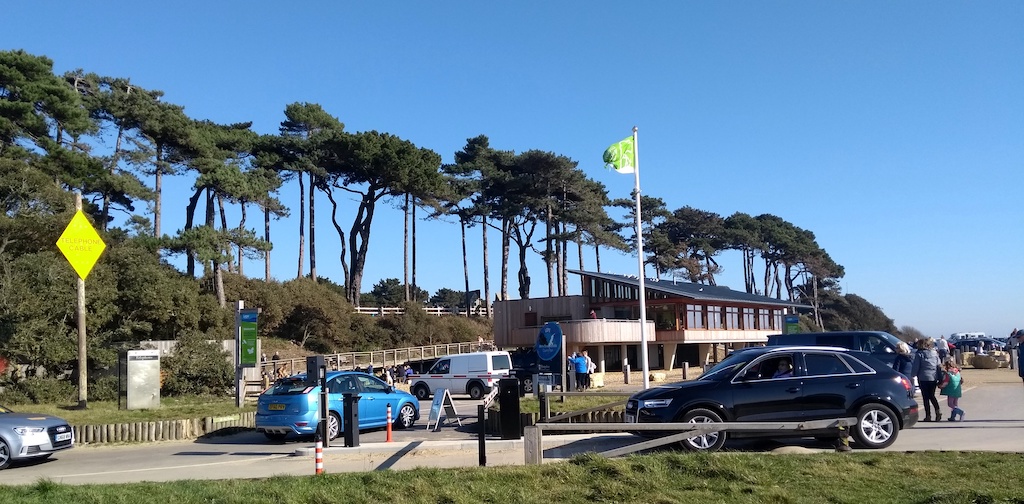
<point x="853" y="385"/>
<point x="793" y="390"/>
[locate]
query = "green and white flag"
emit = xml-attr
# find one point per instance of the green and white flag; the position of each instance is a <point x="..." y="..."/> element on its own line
<point x="620" y="156"/>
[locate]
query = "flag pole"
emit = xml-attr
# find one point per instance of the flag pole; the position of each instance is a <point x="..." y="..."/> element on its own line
<point x="640" y="260"/>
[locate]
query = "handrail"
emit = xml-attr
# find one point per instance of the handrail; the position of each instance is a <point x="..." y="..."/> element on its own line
<point x="534" y="452"/>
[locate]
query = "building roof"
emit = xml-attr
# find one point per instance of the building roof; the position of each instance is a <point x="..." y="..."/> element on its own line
<point x="694" y="291"/>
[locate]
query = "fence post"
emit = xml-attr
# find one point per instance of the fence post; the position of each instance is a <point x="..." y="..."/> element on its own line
<point x="532" y="445"/>
<point x="481" y="416"/>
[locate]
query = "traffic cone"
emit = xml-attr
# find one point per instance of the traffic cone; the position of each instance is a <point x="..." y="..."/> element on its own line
<point x="389" y="424"/>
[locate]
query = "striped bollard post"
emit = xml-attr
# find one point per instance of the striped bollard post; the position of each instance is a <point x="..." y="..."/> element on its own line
<point x="389" y="424"/>
<point x="319" y="456"/>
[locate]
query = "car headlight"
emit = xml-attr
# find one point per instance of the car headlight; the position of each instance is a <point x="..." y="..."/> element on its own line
<point x="24" y="431"/>
<point x="655" y="403"/>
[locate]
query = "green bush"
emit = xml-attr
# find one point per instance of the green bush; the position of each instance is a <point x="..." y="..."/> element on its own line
<point x="104" y="388"/>
<point x="197" y="367"/>
<point x="37" y="390"/>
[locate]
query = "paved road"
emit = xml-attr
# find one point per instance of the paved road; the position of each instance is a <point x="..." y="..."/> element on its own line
<point x="994" y="422"/>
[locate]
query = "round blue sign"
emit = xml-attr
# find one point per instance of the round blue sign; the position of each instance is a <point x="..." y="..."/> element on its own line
<point x="549" y="341"/>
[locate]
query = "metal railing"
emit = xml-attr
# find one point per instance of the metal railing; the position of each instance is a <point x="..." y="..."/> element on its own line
<point x="379" y="358"/>
<point x="534" y="450"/>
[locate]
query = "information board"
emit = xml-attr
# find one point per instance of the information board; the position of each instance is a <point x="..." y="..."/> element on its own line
<point x="442" y="401"/>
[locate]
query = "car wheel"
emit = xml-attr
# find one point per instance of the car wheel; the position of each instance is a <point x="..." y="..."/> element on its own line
<point x="476" y="391"/>
<point x="709" y="442"/>
<point x="421" y="392"/>
<point x="876" y="426"/>
<point x="406" y="416"/>
<point x="5" y="454"/>
<point x="333" y="426"/>
<point x="528" y="385"/>
<point x="275" y="436"/>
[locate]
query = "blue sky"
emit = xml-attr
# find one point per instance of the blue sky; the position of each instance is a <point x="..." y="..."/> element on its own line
<point x="892" y="130"/>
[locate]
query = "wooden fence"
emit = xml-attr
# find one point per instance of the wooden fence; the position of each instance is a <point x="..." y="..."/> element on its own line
<point x="162" y="430"/>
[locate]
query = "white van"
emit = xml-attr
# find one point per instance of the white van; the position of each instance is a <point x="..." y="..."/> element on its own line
<point x="469" y="373"/>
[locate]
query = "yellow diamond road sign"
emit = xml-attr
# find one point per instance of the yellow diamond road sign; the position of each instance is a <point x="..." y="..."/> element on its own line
<point x="81" y="244"/>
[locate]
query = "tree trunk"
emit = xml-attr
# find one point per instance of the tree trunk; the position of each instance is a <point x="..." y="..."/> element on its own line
<point x="190" y="212"/>
<point x="241" y="226"/>
<point x="224" y="228"/>
<point x="302" y="224"/>
<point x="113" y="168"/>
<point x="465" y="263"/>
<point x="549" y="254"/>
<point x="487" y="280"/>
<point x="341" y="235"/>
<point x="505" y="245"/>
<point x="405" y="246"/>
<point x="359" y="239"/>
<point x="312" y="227"/>
<point x="266" y="235"/>
<point x="563" y="259"/>
<point x="597" y="258"/>
<point x="415" y="291"/>
<point x="158" y="188"/>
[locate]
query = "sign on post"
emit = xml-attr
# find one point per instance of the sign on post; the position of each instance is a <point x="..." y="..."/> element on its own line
<point x="247" y="337"/>
<point x="792" y="324"/>
<point x="81" y="244"/>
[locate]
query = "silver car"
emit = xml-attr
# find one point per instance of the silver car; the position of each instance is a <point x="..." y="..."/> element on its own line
<point x="27" y="436"/>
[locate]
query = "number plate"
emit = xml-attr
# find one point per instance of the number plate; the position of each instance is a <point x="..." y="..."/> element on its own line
<point x="62" y="437"/>
<point x="630" y="418"/>
<point x="276" y="407"/>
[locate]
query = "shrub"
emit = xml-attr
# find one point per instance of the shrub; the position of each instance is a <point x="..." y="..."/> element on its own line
<point x="104" y="388"/>
<point x="197" y="367"/>
<point x="39" y="390"/>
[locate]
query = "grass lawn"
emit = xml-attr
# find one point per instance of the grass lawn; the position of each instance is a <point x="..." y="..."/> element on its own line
<point x="171" y="408"/>
<point x="862" y="477"/>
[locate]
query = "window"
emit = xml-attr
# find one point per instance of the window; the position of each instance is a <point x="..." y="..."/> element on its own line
<point x="714" y="317"/>
<point x="694" y="316"/>
<point x="764" y="318"/>
<point x="441" y="367"/>
<point x="500" y="362"/>
<point x="664" y="317"/>
<point x="372" y="384"/>
<point x="824" y="365"/>
<point x="342" y="385"/>
<point x="530" y="319"/>
<point x="877" y="344"/>
<point x="748" y="319"/>
<point x="732" y="317"/>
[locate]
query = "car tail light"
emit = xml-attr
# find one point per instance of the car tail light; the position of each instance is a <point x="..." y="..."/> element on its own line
<point x="906" y="383"/>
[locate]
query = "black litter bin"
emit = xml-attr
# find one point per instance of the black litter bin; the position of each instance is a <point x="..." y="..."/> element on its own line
<point x="508" y="402"/>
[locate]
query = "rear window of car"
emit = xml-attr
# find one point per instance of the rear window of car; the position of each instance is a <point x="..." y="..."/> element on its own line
<point x="821" y="364"/>
<point x="857" y="365"/>
<point x="500" y="362"/>
<point x="288" y="386"/>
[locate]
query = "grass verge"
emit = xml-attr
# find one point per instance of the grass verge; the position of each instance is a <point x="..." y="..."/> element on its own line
<point x="171" y="408"/>
<point x="878" y="478"/>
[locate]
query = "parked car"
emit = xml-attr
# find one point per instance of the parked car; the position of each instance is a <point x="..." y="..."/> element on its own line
<point x="31" y="436"/>
<point x="292" y="405"/>
<point x="826" y="383"/>
<point x="473" y="373"/>
<point x="880" y="344"/>
<point x="971" y="344"/>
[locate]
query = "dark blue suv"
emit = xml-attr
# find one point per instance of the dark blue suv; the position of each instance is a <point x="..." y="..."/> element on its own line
<point x="880" y="344"/>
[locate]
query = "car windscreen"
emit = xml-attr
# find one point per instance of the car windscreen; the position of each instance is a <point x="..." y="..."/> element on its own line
<point x="501" y="362"/>
<point x="288" y="386"/>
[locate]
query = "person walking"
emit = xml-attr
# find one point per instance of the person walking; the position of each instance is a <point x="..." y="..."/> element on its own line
<point x="951" y="387"/>
<point x="904" y="362"/>
<point x="1020" y="353"/>
<point x="942" y="347"/>
<point x="927" y="370"/>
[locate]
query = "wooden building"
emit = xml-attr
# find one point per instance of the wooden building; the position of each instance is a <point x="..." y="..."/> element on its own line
<point x="686" y="322"/>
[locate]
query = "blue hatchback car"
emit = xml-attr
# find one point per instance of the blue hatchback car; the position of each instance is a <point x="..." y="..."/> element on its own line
<point x="292" y="406"/>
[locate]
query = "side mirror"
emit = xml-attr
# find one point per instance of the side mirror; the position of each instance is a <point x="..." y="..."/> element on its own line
<point x="750" y="374"/>
<point x="390" y="389"/>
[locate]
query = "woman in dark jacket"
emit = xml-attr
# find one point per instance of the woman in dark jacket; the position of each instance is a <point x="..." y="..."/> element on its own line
<point x="904" y="362"/>
<point x="926" y="369"/>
